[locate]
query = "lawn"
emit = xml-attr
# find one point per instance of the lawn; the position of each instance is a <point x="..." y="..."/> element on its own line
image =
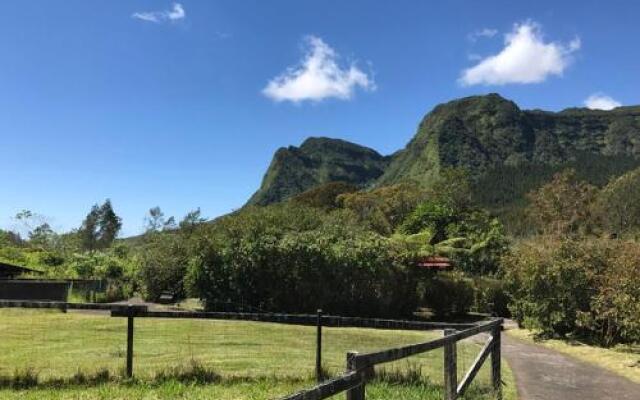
<point x="254" y="360"/>
<point x="622" y="359"/>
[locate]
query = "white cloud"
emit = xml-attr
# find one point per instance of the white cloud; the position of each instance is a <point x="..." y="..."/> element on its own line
<point x="600" y="101"/>
<point x="482" y="33"/>
<point x="526" y="58"/>
<point x="317" y="77"/>
<point x="174" y="14"/>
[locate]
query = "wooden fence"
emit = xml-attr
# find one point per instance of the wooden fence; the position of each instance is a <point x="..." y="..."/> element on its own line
<point x="360" y="367"/>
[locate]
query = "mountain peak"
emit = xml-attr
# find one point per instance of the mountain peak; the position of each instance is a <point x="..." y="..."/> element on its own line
<point x="318" y="160"/>
<point x="479" y="133"/>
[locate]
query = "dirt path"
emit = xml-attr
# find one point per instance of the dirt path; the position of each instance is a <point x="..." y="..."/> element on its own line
<point x="545" y="374"/>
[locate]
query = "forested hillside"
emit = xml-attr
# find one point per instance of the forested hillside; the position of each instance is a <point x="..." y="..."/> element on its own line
<point x="506" y="151"/>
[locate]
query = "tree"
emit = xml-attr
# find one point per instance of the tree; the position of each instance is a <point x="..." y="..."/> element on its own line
<point x="109" y="225"/>
<point x="563" y="206"/>
<point x="191" y="220"/>
<point x="324" y="196"/>
<point x="383" y="209"/>
<point x="9" y="238"/>
<point x="453" y="188"/>
<point x="100" y="227"/>
<point x="618" y="204"/>
<point x="156" y="222"/>
<point x="42" y="236"/>
<point x="36" y="227"/>
<point x="88" y="232"/>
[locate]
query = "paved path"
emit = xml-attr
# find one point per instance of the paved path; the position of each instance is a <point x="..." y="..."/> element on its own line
<point x="545" y="374"/>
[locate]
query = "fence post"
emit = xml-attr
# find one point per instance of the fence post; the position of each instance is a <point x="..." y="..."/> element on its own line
<point x="319" y="374"/>
<point x="450" y="368"/>
<point x="496" y="369"/>
<point x="129" y="341"/>
<point x="356" y="393"/>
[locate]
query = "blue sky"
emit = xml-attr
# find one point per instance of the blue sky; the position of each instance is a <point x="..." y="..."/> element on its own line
<point x="182" y="104"/>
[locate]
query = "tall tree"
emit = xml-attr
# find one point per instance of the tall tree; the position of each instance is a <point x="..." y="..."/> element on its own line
<point x="100" y="227"/>
<point x="191" y="220"/>
<point x="109" y="225"/>
<point x="618" y="203"/>
<point x="564" y="205"/>
<point x="88" y="232"/>
<point x="42" y="236"/>
<point x="156" y="222"/>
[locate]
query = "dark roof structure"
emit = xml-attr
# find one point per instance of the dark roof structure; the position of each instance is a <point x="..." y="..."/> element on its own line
<point x="9" y="271"/>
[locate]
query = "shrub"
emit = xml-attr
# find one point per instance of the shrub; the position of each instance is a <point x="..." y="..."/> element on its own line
<point x="586" y="287"/>
<point x="490" y="297"/>
<point x="448" y="294"/>
<point x="614" y="315"/>
<point x="326" y="262"/>
<point x="550" y="282"/>
<point x="163" y="265"/>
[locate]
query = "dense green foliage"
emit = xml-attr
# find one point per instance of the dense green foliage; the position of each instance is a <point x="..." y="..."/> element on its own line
<point x="618" y="204"/>
<point x="384" y="209"/>
<point x="324" y="196"/>
<point x="575" y="279"/>
<point x="294" y="259"/>
<point x="508" y="151"/>
<point x="584" y="287"/>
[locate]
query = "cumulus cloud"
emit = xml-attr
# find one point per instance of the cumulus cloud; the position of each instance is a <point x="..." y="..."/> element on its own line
<point x="600" y="101"/>
<point x="525" y="58"/>
<point x="176" y="13"/>
<point x="482" y="33"/>
<point x="318" y="76"/>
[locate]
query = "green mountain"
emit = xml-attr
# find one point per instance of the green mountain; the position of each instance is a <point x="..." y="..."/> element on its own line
<point x="482" y="133"/>
<point x="508" y="152"/>
<point x="293" y="170"/>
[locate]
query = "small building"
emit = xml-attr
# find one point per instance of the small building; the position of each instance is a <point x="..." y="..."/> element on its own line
<point x="435" y="263"/>
<point x="10" y="271"/>
<point x="13" y="288"/>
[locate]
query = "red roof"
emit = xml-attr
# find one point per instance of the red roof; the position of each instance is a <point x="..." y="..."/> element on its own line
<point x="435" y="263"/>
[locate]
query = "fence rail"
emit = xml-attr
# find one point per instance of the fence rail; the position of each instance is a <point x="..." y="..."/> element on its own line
<point x="330" y="321"/>
<point x="63" y="306"/>
<point x="347" y="381"/>
<point x="360" y="367"/>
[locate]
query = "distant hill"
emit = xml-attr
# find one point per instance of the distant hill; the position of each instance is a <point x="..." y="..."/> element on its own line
<point x="319" y="160"/>
<point x="508" y="151"/>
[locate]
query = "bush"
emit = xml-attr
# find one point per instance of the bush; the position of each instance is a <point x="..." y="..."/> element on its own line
<point x="327" y="263"/>
<point x="550" y="283"/>
<point x="163" y="265"/>
<point x="615" y="308"/>
<point x="448" y="294"/>
<point x="490" y="297"/>
<point x="585" y="287"/>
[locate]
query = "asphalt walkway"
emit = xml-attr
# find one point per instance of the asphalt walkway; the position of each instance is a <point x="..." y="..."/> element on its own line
<point x="545" y="374"/>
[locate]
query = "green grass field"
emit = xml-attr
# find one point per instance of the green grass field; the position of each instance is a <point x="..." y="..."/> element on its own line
<point x="253" y="360"/>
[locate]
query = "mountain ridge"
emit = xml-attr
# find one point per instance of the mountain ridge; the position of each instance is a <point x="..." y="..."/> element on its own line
<point x="479" y="133"/>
